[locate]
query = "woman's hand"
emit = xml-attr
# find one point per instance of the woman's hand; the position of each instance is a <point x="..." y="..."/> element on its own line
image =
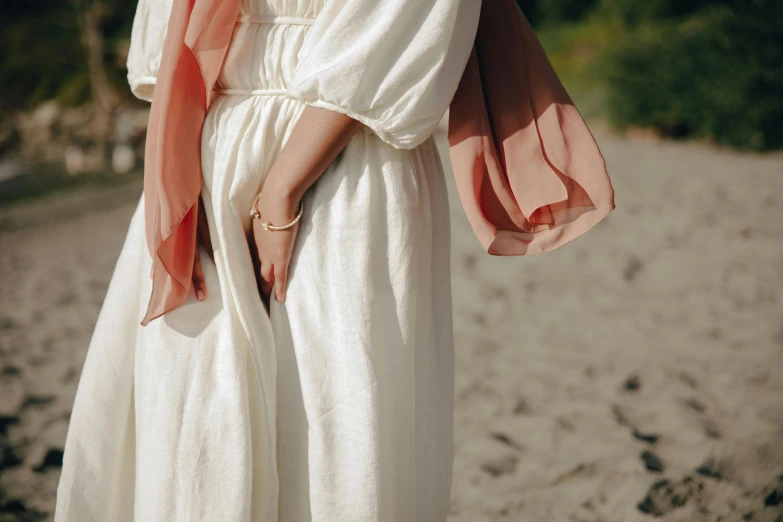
<point x="274" y="247"/>
<point x="202" y="239"/>
<point x="315" y="141"/>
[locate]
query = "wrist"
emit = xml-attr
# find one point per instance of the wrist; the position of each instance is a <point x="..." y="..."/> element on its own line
<point x="277" y="202"/>
<point x="281" y="184"/>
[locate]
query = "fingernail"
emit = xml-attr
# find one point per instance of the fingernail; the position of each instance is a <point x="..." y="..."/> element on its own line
<point x="279" y="298"/>
<point x="200" y="295"/>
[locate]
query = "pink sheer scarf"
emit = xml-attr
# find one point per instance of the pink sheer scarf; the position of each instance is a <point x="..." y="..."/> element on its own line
<point x="529" y="173"/>
<point x="199" y="32"/>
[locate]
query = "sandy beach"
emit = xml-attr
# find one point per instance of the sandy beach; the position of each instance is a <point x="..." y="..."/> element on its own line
<point x="634" y="374"/>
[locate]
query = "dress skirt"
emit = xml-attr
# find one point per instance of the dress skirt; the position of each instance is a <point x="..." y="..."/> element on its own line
<point x="335" y="405"/>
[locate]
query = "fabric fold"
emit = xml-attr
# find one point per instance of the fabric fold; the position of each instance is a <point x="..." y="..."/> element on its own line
<point x="393" y="65"/>
<point x="529" y="172"/>
<point x="197" y="38"/>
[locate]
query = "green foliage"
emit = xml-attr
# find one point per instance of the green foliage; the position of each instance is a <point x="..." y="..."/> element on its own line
<point x="41" y="52"/>
<point x="717" y="74"/>
<point x="573" y="49"/>
<point x="554" y="11"/>
<point x="633" y="12"/>
<point x="547" y="12"/>
<point x="709" y="69"/>
<point x="703" y="68"/>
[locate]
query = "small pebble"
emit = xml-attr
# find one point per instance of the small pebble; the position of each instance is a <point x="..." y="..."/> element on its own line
<point x="652" y="462"/>
<point x="501" y="466"/>
<point x="52" y="459"/>
<point x="633" y="383"/>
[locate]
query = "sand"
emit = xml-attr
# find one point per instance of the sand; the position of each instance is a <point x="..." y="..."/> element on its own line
<point x="635" y="373"/>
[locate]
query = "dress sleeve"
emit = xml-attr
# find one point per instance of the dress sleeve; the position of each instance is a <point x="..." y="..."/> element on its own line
<point x="393" y="65"/>
<point x="146" y="46"/>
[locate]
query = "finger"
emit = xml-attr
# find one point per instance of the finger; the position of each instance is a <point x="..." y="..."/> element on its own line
<point x="199" y="283"/>
<point x="281" y="280"/>
<point x="267" y="278"/>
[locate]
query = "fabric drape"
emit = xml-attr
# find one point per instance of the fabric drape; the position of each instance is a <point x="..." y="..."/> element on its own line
<point x="529" y="173"/>
<point x="197" y="37"/>
<point x="335" y="405"/>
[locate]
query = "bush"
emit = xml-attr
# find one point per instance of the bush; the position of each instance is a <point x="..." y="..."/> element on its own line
<point x="633" y="12"/>
<point x="717" y="75"/>
<point x="42" y="55"/>
<point x="41" y="50"/>
<point x="555" y="11"/>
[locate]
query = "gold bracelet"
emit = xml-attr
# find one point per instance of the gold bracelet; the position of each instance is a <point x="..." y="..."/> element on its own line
<point x="266" y="225"/>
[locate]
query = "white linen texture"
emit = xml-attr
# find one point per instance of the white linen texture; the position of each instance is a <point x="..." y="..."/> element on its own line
<point x="337" y="406"/>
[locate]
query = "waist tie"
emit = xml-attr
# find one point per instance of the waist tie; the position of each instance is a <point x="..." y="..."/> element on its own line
<point x="283" y="20"/>
<point x="271" y="19"/>
<point x="252" y="92"/>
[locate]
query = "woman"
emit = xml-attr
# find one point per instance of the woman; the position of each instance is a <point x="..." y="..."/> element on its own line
<point x="338" y="405"/>
<point x="336" y="402"/>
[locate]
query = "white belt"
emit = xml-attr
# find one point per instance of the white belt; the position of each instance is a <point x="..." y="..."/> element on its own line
<point x="250" y="19"/>
<point x="252" y="92"/>
<point x="287" y="20"/>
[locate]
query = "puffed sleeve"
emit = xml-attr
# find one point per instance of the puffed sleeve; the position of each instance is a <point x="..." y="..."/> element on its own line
<point x="394" y="65"/>
<point x="146" y="45"/>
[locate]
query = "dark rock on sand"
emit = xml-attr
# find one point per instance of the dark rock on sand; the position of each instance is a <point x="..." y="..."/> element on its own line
<point x="522" y="407"/>
<point x="17" y="511"/>
<point x="13" y="506"/>
<point x="508" y="441"/>
<point x="619" y="415"/>
<point x="7" y="420"/>
<point x="9" y="370"/>
<point x="665" y="496"/>
<point x="52" y="459"/>
<point x="632" y="383"/>
<point x="500" y="466"/>
<point x="712" y="430"/>
<point x="652" y="462"/>
<point x="645" y="437"/>
<point x="688" y="379"/>
<point x="774" y="498"/>
<point x="581" y="469"/>
<point x="710" y="469"/>
<point x="37" y="400"/>
<point x="695" y="404"/>
<point x="632" y="267"/>
<point x="9" y="458"/>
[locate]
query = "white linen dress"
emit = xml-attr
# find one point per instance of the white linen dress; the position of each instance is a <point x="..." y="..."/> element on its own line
<point x="338" y="405"/>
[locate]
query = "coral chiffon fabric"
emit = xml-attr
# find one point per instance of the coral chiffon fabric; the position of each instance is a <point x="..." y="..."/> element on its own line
<point x="529" y="173"/>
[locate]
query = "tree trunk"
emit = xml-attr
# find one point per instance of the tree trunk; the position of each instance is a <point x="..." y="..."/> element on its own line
<point x="106" y="100"/>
